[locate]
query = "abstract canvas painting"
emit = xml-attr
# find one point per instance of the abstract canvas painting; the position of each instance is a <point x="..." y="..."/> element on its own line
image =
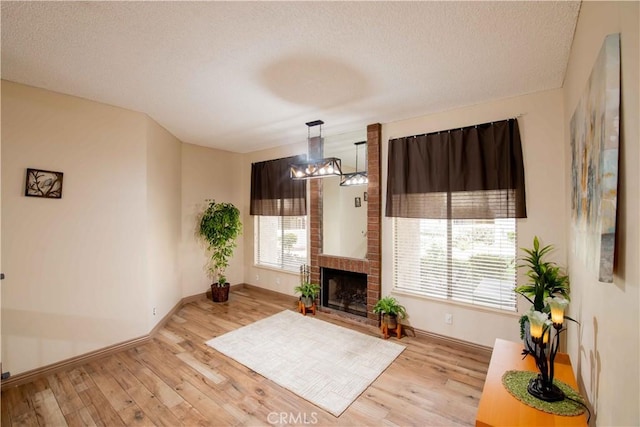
<point x="595" y="128"/>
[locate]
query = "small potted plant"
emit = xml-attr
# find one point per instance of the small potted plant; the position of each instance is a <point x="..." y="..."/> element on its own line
<point x="220" y="226"/>
<point x="391" y="311"/>
<point x="309" y="292"/>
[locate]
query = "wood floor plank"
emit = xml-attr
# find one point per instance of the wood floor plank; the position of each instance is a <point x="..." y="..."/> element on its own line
<point x="154" y="383"/>
<point x="81" y="417"/>
<point x="8" y="410"/>
<point x="65" y="392"/>
<point x="47" y="409"/>
<point x="28" y="418"/>
<point x="202" y="368"/>
<point x="183" y="411"/>
<point x="151" y="406"/>
<point x="5" y="415"/>
<point x="18" y="401"/>
<point x="176" y="379"/>
<point x="189" y="384"/>
<point x="208" y="407"/>
<point x="94" y="398"/>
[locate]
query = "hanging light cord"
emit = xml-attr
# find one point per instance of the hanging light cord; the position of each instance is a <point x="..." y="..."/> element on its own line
<point x="357" y="158"/>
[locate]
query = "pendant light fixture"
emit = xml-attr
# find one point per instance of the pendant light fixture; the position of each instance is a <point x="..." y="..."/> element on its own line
<point x="316" y="168"/>
<point x="357" y="177"/>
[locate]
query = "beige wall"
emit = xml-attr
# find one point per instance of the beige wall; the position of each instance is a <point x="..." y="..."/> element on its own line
<point x="541" y="130"/>
<point x="208" y="174"/>
<point x="164" y="204"/>
<point x="76" y="267"/>
<point x="604" y="349"/>
<point x="87" y="271"/>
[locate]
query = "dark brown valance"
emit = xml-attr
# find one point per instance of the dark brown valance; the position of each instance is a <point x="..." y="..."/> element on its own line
<point x="475" y="172"/>
<point x="273" y="192"/>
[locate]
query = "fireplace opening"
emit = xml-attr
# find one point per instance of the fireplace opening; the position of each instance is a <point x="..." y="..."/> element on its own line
<point x="345" y="291"/>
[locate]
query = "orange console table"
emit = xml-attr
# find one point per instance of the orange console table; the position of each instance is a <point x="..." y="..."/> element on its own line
<point x="499" y="408"/>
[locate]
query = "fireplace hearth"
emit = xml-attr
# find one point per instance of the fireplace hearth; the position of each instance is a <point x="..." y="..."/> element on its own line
<point x="345" y="291"/>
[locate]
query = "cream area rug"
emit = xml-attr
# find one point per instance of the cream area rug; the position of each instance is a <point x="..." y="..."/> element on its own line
<point x="328" y="365"/>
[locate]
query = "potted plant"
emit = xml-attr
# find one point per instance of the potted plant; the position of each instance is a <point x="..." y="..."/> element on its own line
<point x="220" y="225"/>
<point x="308" y="293"/>
<point x="391" y="310"/>
<point x="546" y="279"/>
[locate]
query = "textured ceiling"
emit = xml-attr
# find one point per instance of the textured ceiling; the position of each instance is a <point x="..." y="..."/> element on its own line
<point x="243" y="76"/>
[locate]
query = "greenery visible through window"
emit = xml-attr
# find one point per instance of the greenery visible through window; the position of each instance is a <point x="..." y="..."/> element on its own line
<point x="281" y="242"/>
<point x="465" y="260"/>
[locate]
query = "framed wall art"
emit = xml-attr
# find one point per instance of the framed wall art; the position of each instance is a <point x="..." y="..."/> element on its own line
<point x="42" y="183"/>
<point x="595" y="127"/>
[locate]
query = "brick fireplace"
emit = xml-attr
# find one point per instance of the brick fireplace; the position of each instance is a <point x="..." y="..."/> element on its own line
<point x="369" y="266"/>
<point x="344" y="291"/>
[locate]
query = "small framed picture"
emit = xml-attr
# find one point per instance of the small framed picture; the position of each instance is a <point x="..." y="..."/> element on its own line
<point x="358" y="202"/>
<point x="41" y="183"/>
<point x="366" y="196"/>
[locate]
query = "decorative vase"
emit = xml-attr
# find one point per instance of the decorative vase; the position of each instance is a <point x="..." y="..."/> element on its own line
<point x="220" y="293"/>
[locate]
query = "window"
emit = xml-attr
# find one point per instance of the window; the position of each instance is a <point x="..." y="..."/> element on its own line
<point x="465" y="260"/>
<point x="455" y="196"/>
<point x="280" y="207"/>
<point x="281" y="242"/>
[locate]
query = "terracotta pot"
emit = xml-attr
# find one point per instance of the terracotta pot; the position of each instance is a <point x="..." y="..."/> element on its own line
<point x="391" y="320"/>
<point x="220" y="293"/>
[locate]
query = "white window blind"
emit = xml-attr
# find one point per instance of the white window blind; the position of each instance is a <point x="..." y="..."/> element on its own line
<point x="465" y="260"/>
<point x="281" y="242"/>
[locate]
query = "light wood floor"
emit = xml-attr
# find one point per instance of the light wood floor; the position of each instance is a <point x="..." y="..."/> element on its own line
<point x="177" y="380"/>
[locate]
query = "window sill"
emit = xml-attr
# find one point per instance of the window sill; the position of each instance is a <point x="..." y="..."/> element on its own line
<point x="275" y="269"/>
<point x="473" y="307"/>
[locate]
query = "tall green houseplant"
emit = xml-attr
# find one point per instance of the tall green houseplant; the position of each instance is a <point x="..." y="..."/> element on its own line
<point x="220" y="226"/>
